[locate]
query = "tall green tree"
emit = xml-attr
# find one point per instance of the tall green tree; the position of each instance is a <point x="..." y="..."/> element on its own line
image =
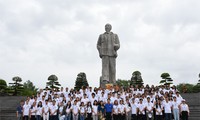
<point x="3" y="86"/>
<point x="29" y="88"/>
<point x="166" y="79"/>
<point x="136" y="78"/>
<point x="16" y="86"/>
<point x="53" y="82"/>
<point x="81" y="80"/>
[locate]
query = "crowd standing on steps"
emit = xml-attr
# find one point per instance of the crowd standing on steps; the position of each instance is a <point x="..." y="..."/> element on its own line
<point x="114" y="103"/>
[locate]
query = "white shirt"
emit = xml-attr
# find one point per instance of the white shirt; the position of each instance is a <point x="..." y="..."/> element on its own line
<point x="82" y="109"/>
<point x="89" y="110"/>
<point x="158" y="110"/>
<point x="149" y="106"/>
<point x="95" y="109"/>
<point x="121" y="108"/>
<point x="39" y="111"/>
<point x="33" y="110"/>
<point x="26" y="109"/>
<point x="141" y="108"/>
<point x="53" y="108"/>
<point x="134" y="108"/>
<point x="184" y="107"/>
<point x="46" y="108"/>
<point x="175" y="105"/>
<point x="68" y="109"/>
<point x="85" y="100"/>
<point x="115" y="108"/>
<point x="75" y="109"/>
<point x="167" y="106"/>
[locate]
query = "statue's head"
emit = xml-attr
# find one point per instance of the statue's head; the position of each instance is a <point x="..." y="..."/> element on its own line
<point x="108" y="27"/>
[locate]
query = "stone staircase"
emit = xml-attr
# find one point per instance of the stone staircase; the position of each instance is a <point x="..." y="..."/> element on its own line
<point x="8" y="105"/>
<point x="193" y="100"/>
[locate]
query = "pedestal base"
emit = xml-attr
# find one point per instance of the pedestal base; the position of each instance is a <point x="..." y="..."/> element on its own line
<point x="105" y="84"/>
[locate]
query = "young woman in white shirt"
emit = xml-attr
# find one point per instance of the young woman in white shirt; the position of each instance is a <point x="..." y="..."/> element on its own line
<point x="33" y="111"/>
<point x="75" y="109"/>
<point x="68" y="111"/>
<point x="184" y="110"/>
<point x="61" y="115"/>
<point x="158" y="109"/>
<point x="128" y="109"/>
<point x="175" y="108"/>
<point x="122" y="110"/>
<point x="82" y="111"/>
<point x="89" y="111"/>
<point x="46" y="111"/>
<point x="115" y="110"/>
<point x="95" y="110"/>
<point x="39" y="111"/>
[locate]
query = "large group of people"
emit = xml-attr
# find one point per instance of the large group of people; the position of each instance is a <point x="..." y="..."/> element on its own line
<point x="114" y="103"/>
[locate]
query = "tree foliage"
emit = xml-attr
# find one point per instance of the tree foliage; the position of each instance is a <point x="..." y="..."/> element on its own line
<point x="3" y="86"/>
<point x="16" y="87"/>
<point x="136" y="78"/>
<point x="81" y="80"/>
<point x="123" y="83"/>
<point x="29" y="88"/>
<point x="166" y="79"/>
<point x="188" y="88"/>
<point x="53" y="82"/>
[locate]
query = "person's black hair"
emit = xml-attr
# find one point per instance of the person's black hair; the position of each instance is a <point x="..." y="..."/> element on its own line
<point x="39" y="105"/>
<point x="68" y="106"/>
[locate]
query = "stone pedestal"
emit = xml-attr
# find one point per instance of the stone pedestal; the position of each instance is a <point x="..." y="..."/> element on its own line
<point x="105" y="84"/>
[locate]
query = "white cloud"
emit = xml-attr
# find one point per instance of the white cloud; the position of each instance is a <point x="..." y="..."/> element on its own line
<point x="43" y="37"/>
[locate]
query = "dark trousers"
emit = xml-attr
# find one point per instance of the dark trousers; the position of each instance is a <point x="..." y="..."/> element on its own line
<point x="108" y="116"/>
<point x="122" y="116"/>
<point x="184" y="115"/>
<point x="53" y="117"/>
<point x="158" y="117"/>
<point x="133" y="117"/>
<point x="89" y="116"/>
<point x="168" y="116"/>
<point x="25" y="118"/>
<point x="142" y="117"/>
<point x="33" y="117"/>
<point x="115" y="117"/>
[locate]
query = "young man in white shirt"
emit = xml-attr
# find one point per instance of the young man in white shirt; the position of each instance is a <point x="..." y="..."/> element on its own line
<point x="46" y="111"/>
<point x="141" y="110"/>
<point x="168" y="109"/>
<point x="26" y="109"/>
<point x="134" y="109"/>
<point x="53" y="111"/>
<point x="149" y="109"/>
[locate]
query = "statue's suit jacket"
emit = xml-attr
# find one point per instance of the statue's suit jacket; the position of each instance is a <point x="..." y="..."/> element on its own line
<point x="108" y="44"/>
